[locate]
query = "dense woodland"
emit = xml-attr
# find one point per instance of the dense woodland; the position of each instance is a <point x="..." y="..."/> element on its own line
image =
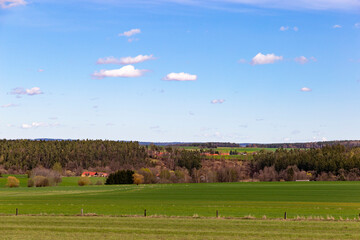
<point x="157" y="164"/>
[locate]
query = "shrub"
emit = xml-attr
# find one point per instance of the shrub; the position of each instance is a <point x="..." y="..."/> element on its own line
<point x="149" y="176"/>
<point x="12" y="182"/>
<point x="53" y="177"/>
<point x="84" y="181"/>
<point x="120" y="177"/>
<point x="138" y="178"/>
<point x="41" y="181"/>
<point x="30" y="182"/>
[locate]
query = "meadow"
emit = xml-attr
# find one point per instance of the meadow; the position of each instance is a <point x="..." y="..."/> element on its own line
<point x="258" y="199"/>
<point x="60" y="227"/>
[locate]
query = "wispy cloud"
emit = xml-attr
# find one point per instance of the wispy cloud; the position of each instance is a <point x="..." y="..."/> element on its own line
<point x="215" y="101"/>
<point x="130" y="32"/>
<point x="337" y="26"/>
<point x="41" y="70"/>
<point x="9" y="105"/>
<point x="303" y="60"/>
<point x="12" y="3"/>
<point x="357" y="25"/>
<point x="306" y="89"/>
<point x="38" y="124"/>
<point x="265" y="59"/>
<point x="125" y="60"/>
<point x="180" y="77"/>
<point x="31" y="92"/>
<point x="127" y="71"/>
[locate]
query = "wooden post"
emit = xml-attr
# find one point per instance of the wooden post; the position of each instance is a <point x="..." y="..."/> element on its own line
<point x="82" y="212"/>
<point x="145" y="213"/>
<point x="217" y="214"/>
<point x="17" y="212"/>
<point x="285" y="215"/>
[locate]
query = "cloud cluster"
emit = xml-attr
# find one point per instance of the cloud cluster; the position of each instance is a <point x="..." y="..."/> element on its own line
<point x="31" y="92"/>
<point x="11" y="3"/>
<point x="125" y="60"/>
<point x="265" y="59"/>
<point x="215" y="101"/>
<point x="130" y="32"/>
<point x="180" y="77"/>
<point x="127" y="71"/>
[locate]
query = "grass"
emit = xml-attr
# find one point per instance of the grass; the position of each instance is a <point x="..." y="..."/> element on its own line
<point x="303" y="199"/>
<point x="50" y="227"/>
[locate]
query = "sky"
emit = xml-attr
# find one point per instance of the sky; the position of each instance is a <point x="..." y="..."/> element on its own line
<point x="244" y="71"/>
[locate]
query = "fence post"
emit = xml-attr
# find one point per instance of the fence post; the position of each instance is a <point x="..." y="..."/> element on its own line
<point x="82" y="212"/>
<point x="17" y="212"/>
<point x="285" y="215"/>
<point x="217" y="214"/>
<point x="145" y="213"/>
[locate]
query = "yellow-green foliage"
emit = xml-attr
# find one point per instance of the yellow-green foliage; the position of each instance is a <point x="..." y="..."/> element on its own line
<point x="84" y="181"/>
<point x="138" y="178"/>
<point x="12" y="182"/>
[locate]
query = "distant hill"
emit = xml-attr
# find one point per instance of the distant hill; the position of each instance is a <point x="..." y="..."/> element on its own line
<point x="348" y="143"/>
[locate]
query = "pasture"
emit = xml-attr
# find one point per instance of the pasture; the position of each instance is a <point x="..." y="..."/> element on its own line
<point x="304" y="199"/>
<point x="60" y="227"/>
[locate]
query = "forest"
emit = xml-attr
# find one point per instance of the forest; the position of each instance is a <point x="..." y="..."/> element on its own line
<point x="158" y="164"/>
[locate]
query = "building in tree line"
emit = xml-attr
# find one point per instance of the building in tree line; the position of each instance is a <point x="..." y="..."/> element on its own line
<point x="94" y="174"/>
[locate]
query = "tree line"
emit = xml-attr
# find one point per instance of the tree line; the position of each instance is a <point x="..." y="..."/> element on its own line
<point x="24" y="155"/>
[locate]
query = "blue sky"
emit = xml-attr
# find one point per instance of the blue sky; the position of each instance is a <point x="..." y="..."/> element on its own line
<point x="180" y="70"/>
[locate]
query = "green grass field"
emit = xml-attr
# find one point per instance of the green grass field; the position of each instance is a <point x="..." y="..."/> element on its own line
<point x="52" y="228"/>
<point x="336" y="199"/>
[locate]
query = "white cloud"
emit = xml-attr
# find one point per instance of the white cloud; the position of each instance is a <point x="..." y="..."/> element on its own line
<point x="38" y="124"/>
<point x="215" y="101"/>
<point x="125" y="60"/>
<point x="301" y="60"/>
<point x="33" y="91"/>
<point x="337" y="26"/>
<point x="306" y="89"/>
<point x="180" y="77"/>
<point x="265" y="59"/>
<point x="11" y="3"/>
<point x="9" y="105"/>
<point x="127" y="71"/>
<point x="286" y="28"/>
<point x="357" y="25"/>
<point x="30" y="92"/>
<point x="130" y="33"/>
